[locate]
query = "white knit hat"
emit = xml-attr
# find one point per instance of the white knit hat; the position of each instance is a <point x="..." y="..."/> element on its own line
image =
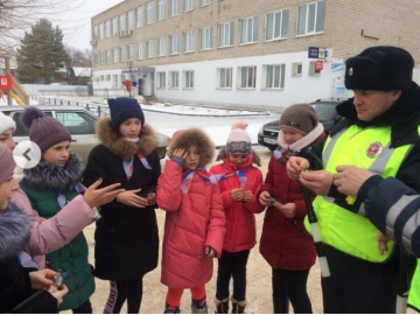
<point x="238" y="140"/>
<point x="6" y="123"/>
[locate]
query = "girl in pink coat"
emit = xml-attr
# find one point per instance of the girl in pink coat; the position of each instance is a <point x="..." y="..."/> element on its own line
<point x="239" y="183"/>
<point x="195" y="221"/>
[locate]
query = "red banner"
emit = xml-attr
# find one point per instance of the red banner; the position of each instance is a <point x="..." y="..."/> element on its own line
<point x="5" y="82"/>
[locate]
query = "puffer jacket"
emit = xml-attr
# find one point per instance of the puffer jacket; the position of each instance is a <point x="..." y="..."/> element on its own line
<point x="240" y="216"/>
<point x="42" y="185"/>
<point x="193" y="220"/>
<point x="56" y="232"/>
<point x="284" y="242"/>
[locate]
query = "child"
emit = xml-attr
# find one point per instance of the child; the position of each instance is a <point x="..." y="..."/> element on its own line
<point x="50" y="186"/>
<point x="239" y="183"/>
<point x="17" y="283"/>
<point x="126" y="238"/>
<point x="195" y="222"/>
<point x="285" y="244"/>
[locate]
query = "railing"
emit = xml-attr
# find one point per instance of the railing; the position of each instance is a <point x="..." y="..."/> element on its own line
<point x="84" y="92"/>
<point x="96" y="109"/>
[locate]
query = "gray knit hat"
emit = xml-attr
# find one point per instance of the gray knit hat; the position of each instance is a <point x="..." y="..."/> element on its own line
<point x="301" y="117"/>
<point x="7" y="164"/>
<point x="45" y="131"/>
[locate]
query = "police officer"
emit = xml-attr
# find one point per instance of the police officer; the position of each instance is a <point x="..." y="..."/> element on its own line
<point x="379" y="132"/>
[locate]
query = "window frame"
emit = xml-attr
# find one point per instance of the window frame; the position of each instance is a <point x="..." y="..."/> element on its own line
<point x="115" y="25"/>
<point x="140" y="51"/>
<point x="122" y="53"/>
<point x="282" y="24"/>
<point x="172" y="6"/>
<point x="315" y="19"/>
<point x="171" y="80"/>
<point x="204" y="3"/>
<point x="160" y="10"/>
<point x="281" y="78"/>
<point x="222" y="31"/>
<point x="191" y="41"/>
<point x="108" y="29"/>
<point x="150" y="43"/>
<point x="124" y="21"/>
<point x="248" y="19"/>
<point x="208" y="37"/>
<point x="160" y="75"/>
<point x="254" y="79"/>
<point x="192" y="4"/>
<point x="139" y="13"/>
<point x="161" y="50"/>
<point x="219" y="77"/>
<point x="186" y="76"/>
<point x="150" y="12"/>
<point x="172" y="41"/>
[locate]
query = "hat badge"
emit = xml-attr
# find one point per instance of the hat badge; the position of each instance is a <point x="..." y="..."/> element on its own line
<point x="350" y="71"/>
<point x="374" y="149"/>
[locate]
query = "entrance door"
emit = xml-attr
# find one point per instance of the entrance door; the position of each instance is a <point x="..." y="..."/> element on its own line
<point x="140" y="87"/>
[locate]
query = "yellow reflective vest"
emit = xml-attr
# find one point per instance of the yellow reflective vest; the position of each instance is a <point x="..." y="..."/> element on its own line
<point x="368" y="148"/>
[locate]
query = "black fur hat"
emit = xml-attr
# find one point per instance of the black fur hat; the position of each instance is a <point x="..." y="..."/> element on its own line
<point x="380" y="68"/>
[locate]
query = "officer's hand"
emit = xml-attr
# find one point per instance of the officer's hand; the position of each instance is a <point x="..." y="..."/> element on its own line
<point x="295" y="166"/>
<point x="317" y="181"/>
<point x="350" y="178"/>
<point x="382" y="243"/>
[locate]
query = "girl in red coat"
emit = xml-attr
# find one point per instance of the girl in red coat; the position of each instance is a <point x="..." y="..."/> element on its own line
<point x="239" y="182"/>
<point x="285" y="244"/>
<point x="195" y="221"/>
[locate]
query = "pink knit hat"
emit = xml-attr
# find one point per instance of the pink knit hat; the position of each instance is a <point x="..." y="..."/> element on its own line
<point x="239" y="140"/>
<point x="7" y="163"/>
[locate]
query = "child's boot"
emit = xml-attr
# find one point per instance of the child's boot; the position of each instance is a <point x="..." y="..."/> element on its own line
<point x="238" y="307"/>
<point x="222" y="306"/>
<point x="169" y="309"/>
<point x="199" y="306"/>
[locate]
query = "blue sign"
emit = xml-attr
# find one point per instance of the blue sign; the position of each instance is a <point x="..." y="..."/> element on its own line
<point x="313" y="52"/>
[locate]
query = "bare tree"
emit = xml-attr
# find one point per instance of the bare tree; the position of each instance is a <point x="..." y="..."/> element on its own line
<point x="79" y="58"/>
<point x="17" y="16"/>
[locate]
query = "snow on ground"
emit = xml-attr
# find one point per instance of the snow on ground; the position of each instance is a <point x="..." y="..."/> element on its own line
<point x="3" y="101"/>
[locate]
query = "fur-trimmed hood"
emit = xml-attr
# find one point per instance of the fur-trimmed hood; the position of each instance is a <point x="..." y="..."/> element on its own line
<point x="194" y="136"/>
<point x="111" y="140"/>
<point x="14" y="231"/>
<point x="46" y="176"/>
<point x="222" y="155"/>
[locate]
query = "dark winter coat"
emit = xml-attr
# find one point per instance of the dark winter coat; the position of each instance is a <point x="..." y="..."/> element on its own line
<point x="284" y="241"/>
<point x="126" y="238"/>
<point x="240" y="216"/>
<point x="16" y="294"/>
<point x="42" y="185"/>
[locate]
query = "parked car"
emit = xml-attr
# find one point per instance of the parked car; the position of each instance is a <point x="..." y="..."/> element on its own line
<point x="80" y="123"/>
<point x="325" y="110"/>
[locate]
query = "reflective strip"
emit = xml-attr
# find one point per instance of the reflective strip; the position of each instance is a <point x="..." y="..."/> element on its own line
<point x="379" y="165"/>
<point x="330" y="146"/>
<point x="328" y="199"/>
<point x="393" y="213"/>
<point x="408" y="230"/>
<point x="362" y="210"/>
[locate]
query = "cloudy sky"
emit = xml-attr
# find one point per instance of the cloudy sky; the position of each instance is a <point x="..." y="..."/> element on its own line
<point x="76" y="23"/>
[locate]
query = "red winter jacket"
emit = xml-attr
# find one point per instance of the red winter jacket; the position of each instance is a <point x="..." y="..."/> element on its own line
<point x="284" y="242"/>
<point x="240" y="216"/>
<point x="193" y="220"/>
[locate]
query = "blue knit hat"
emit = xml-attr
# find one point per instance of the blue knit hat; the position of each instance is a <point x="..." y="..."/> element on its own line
<point x="123" y="108"/>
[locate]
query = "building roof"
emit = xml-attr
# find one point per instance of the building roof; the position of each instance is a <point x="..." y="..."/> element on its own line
<point x="82" y="72"/>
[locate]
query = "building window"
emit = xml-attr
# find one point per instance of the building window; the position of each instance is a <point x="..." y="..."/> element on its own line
<point x="248" y="77"/>
<point x="161" y="10"/>
<point x="140" y="51"/>
<point x="277" y="25"/>
<point x="108" y="56"/>
<point x="101" y="77"/>
<point x="312" y="69"/>
<point x="139" y="12"/>
<point x="189" y="5"/>
<point x="175" y="7"/>
<point x="130" y="52"/>
<point x="174" y="80"/>
<point x="174" y="44"/>
<point x="108" y="77"/>
<point x="115" y="26"/>
<point x="95" y="59"/>
<point x="102" y="58"/>
<point x="122" y="23"/>
<point x="188" y="79"/>
<point x="273" y="77"/>
<point x="311" y="18"/>
<point x="95" y="32"/>
<point x="249" y="30"/>
<point x="122" y="78"/>
<point x="149" y="12"/>
<point x="130" y="18"/>
<point x="189" y="41"/>
<point x="115" y="57"/>
<point x="108" y="28"/>
<point x="226" y="34"/>
<point x="162" y="46"/>
<point x="115" y="80"/>
<point x="224" y="78"/>
<point x="101" y="31"/>
<point x="206" y="38"/>
<point x="205" y="2"/>
<point x="150" y="49"/>
<point x="122" y="54"/>
<point x="297" y="69"/>
<point x="161" y="80"/>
